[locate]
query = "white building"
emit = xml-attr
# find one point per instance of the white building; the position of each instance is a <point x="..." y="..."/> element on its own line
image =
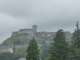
<point x="7" y="50"/>
<point x="22" y="59"/>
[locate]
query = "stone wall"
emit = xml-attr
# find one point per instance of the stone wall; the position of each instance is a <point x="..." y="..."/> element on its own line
<point x="30" y="33"/>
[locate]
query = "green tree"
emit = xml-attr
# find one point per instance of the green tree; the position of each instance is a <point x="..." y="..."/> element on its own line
<point x="59" y="50"/>
<point x="17" y="42"/>
<point x="76" y="37"/>
<point x="9" y="56"/>
<point x="32" y="50"/>
<point x="6" y="56"/>
<point x="48" y="58"/>
<point x="75" y="53"/>
<point x="14" y="48"/>
<point x="45" y="51"/>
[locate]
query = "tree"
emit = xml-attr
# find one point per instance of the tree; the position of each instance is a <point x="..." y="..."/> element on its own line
<point x="17" y="42"/>
<point x="59" y="50"/>
<point x="6" y="56"/>
<point x="76" y="43"/>
<point x="9" y="56"/>
<point x="45" y="51"/>
<point x="14" y="48"/>
<point x="32" y="50"/>
<point x="48" y="58"/>
<point x="76" y="37"/>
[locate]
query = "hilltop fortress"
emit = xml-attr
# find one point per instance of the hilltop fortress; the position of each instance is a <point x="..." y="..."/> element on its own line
<point x="30" y="33"/>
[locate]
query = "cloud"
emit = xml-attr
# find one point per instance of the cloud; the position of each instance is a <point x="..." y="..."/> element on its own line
<point x="49" y="15"/>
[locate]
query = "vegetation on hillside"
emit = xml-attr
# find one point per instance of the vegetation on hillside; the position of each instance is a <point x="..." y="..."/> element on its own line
<point x="32" y="50"/>
<point x="15" y="38"/>
<point x="59" y="49"/>
<point x="9" y="56"/>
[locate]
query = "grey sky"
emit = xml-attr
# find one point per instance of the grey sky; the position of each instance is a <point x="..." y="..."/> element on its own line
<point x="49" y="15"/>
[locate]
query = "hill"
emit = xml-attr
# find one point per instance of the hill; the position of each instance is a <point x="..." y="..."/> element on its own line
<point x="15" y="38"/>
<point x="19" y="40"/>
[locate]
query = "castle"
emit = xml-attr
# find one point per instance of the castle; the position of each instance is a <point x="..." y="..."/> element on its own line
<point x="32" y="32"/>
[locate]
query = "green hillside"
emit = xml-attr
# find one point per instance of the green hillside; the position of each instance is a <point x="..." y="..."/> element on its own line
<point x="15" y="38"/>
<point x="22" y="40"/>
<point x="19" y="40"/>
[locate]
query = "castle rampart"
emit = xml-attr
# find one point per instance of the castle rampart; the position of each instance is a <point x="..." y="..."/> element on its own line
<point x="32" y="32"/>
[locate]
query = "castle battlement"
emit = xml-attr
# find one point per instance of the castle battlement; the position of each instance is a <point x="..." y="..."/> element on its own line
<point x="32" y="32"/>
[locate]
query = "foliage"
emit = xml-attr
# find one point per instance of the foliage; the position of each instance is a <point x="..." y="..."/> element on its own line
<point x="74" y="54"/>
<point x="48" y="58"/>
<point x="77" y="54"/>
<point x="9" y="56"/>
<point x="15" y="38"/>
<point x="14" y="49"/>
<point x="60" y="47"/>
<point x="76" y="37"/>
<point x="18" y="39"/>
<point x="17" y="42"/>
<point x="32" y="50"/>
<point x="21" y="52"/>
<point x="45" y="51"/>
<point x="76" y="43"/>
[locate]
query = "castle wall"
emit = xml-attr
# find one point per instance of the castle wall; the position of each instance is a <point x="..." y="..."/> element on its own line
<point x="14" y="33"/>
<point x="30" y="33"/>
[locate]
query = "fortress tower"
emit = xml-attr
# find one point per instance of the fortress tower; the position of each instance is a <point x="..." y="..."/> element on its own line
<point x="34" y="27"/>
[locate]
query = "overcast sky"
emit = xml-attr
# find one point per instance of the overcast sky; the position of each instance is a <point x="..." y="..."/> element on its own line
<point x="48" y="15"/>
